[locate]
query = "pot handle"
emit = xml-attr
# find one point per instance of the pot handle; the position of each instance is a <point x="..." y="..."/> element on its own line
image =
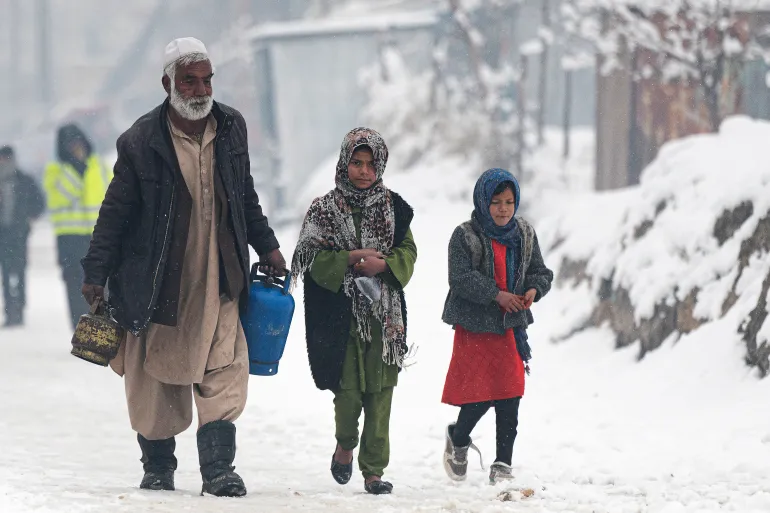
<point x="97" y="307"/>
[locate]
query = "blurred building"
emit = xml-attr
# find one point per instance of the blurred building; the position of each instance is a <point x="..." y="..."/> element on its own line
<point x="98" y="62"/>
<point x="639" y="109"/>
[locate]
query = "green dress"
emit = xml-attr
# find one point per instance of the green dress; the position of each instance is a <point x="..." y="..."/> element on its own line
<point x="367" y="382"/>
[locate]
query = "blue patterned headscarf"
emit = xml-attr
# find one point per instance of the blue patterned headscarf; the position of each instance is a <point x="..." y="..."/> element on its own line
<point x="482" y="199"/>
<point x="508" y="235"/>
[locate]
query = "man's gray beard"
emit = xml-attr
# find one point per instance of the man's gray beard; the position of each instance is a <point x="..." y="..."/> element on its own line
<point x="191" y="109"/>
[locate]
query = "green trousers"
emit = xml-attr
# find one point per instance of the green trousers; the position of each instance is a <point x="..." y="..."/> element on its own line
<point x="366" y="385"/>
<point x="374" y="454"/>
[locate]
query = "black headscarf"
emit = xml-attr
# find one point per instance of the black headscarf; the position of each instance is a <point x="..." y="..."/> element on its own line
<point x="66" y="136"/>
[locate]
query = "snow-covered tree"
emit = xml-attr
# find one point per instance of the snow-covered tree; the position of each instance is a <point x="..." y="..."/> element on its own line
<point x="471" y="99"/>
<point x="702" y="42"/>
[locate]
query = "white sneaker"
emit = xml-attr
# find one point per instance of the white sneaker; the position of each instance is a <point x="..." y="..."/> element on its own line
<point x="456" y="458"/>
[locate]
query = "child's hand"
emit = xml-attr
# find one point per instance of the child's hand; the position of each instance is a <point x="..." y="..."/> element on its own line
<point x="371" y="266"/>
<point x="510" y="302"/>
<point x="529" y="298"/>
<point x="357" y="255"/>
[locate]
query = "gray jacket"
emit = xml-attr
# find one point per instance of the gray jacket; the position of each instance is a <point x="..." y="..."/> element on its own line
<point x="472" y="288"/>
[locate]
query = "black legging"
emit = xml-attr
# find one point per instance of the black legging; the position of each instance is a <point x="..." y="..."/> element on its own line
<point x="507" y="413"/>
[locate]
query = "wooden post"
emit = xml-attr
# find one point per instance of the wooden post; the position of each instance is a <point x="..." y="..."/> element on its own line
<point x="543" y="79"/>
<point x="522" y="107"/>
<point x="567" y="126"/>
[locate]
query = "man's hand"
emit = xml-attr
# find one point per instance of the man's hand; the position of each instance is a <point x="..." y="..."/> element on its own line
<point x="357" y="255"/>
<point x="529" y="298"/>
<point x="92" y="292"/>
<point x="371" y="266"/>
<point x="276" y="264"/>
<point x="510" y="302"/>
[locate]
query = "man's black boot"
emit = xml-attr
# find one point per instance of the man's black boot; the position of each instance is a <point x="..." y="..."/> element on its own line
<point x="159" y="463"/>
<point x="216" y="452"/>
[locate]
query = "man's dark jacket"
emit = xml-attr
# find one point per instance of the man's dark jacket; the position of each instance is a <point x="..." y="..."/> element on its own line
<point x="28" y="206"/>
<point x="140" y="239"/>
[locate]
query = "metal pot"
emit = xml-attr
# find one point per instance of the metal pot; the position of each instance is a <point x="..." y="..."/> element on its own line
<point x="97" y="336"/>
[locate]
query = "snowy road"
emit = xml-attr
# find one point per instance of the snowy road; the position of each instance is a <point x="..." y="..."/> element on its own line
<point x="686" y="430"/>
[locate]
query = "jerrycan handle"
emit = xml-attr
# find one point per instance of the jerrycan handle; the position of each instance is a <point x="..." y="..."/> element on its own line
<point x="284" y="283"/>
<point x="287" y="283"/>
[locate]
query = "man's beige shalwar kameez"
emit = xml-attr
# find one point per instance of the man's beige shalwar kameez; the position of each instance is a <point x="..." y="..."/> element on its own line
<point x="205" y="353"/>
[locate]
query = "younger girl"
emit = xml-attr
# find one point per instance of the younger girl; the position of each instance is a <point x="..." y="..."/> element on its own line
<point x="496" y="272"/>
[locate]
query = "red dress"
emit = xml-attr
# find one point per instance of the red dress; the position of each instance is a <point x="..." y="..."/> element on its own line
<point x="485" y="366"/>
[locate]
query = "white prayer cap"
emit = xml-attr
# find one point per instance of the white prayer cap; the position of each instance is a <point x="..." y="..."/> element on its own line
<point x="178" y="48"/>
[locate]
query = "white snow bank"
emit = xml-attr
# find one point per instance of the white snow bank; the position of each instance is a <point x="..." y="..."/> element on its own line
<point x="599" y="432"/>
<point x="657" y="240"/>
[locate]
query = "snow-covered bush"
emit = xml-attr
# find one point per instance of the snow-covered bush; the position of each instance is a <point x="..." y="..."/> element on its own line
<point x="686" y="248"/>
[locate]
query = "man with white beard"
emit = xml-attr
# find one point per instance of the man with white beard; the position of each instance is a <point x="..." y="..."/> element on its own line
<point x="172" y="239"/>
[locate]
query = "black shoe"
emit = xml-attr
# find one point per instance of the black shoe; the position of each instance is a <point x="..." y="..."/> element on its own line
<point x="158" y="480"/>
<point x="341" y="472"/>
<point x="13" y="320"/>
<point x="216" y="452"/>
<point x="159" y="463"/>
<point x="378" y="487"/>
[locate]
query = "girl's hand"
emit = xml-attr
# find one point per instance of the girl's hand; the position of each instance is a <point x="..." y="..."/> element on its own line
<point x="529" y="298"/>
<point x="510" y="302"/>
<point x="371" y="266"/>
<point x="357" y="255"/>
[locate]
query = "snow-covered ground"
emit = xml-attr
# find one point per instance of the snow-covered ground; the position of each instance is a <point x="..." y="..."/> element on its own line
<point x="685" y="430"/>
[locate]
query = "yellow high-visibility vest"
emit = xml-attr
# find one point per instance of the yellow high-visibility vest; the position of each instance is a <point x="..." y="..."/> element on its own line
<point x="74" y="200"/>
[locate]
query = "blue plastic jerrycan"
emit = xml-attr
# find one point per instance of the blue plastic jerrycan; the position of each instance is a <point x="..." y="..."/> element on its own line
<point x="267" y="321"/>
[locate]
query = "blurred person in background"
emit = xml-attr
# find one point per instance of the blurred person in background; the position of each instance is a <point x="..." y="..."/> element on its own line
<point x="75" y="185"/>
<point x="21" y="202"/>
<point x="173" y="240"/>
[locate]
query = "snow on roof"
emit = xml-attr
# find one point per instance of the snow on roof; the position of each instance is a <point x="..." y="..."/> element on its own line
<point x="367" y="7"/>
<point x="345" y="25"/>
<point x="665" y="5"/>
